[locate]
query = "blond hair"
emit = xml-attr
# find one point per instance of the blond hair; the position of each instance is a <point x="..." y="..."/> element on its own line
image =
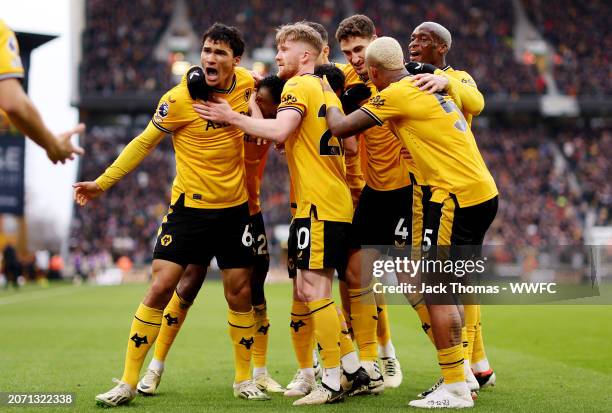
<point x="299" y="32"/>
<point x="385" y="53"/>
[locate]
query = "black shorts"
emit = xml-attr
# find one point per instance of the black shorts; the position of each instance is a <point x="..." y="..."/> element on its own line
<point x="314" y="245"/>
<point x="390" y="219"/>
<point x="194" y="236"/>
<point x="261" y="261"/>
<point x="454" y="235"/>
<point x="448" y="224"/>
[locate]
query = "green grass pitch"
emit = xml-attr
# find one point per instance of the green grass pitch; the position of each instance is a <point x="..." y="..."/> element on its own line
<point x="553" y="358"/>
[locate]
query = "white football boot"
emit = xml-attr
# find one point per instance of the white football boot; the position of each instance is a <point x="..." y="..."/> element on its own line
<point x="301" y="385"/>
<point x="147" y="386"/>
<point x="443" y="398"/>
<point x="122" y="393"/>
<point x="249" y="391"/>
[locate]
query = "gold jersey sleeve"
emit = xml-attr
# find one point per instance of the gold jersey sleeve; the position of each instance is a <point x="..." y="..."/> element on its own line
<point x="386" y="169"/>
<point x="354" y="176"/>
<point x="465" y="93"/>
<point x="10" y="62"/>
<point x="315" y="157"/>
<point x="442" y="145"/>
<point x="210" y="167"/>
<point x="255" y="156"/>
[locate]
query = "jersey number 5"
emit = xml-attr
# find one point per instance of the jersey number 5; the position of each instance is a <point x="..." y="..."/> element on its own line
<point x="449" y="107"/>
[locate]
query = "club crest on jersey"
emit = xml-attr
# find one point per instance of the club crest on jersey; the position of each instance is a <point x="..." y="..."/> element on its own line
<point x="377" y="101"/>
<point x="289" y="98"/>
<point x="247" y="94"/>
<point x="163" y="110"/>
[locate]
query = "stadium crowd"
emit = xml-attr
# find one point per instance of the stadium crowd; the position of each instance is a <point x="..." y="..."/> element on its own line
<point x="483" y="47"/>
<point x="580" y="68"/>
<point x="588" y="153"/>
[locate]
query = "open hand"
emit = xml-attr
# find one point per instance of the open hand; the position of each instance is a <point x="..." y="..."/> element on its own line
<point x="63" y="148"/>
<point x="430" y="83"/>
<point x="86" y="191"/>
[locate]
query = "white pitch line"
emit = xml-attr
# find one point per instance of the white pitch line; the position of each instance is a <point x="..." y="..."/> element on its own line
<point x="35" y="295"/>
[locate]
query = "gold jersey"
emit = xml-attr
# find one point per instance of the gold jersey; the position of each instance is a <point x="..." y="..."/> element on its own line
<point x="315" y="157"/>
<point x="463" y="90"/>
<point x="210" y="167"/>
<point x="10" y="62"/>
<point x="386" y="169"/>
<point x="437" y="135"/>
<point x="255" y="156"/>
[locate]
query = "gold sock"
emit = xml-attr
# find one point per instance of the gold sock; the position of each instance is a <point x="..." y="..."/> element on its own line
<point x="262" y="324"/>
<point x="383" y="330"/>
<point x="302" y="334"/>
<point x="327" y="329"/>
<point x="174" y="315"/>
<point x="423" y="313"/>
<point x="451" y="363"/>
<point x="478" y="353"/>
<point x="145" y="327"/>
<point x="471" y="320"/>
<point x="365" y="322"/>
<point x="464" y="343"/>
<point x="346" y="343"/>
<point x="241" y="331"/>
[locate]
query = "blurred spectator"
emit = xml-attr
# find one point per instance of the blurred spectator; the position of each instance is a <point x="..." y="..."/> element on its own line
<point x="11" y="266"/>
<point x="56" y="266"/>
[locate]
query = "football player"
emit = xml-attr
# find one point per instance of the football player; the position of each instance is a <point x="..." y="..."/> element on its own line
<point x="464" y="196"/>
<point x="324" y="206"/>
<point x="209" y="214"/>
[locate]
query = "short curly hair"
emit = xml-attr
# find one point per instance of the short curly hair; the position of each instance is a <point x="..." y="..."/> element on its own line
<point x="357" y="25"/>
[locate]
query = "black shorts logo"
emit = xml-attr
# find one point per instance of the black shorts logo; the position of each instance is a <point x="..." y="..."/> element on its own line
<point x="166" y="240"/>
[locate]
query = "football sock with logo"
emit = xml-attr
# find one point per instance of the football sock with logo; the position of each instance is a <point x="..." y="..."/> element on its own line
<point x="423" y="313"/>
<point x="383" y="330"/>
<point x="327" y="330"/>
<point x="145" y="327"/>
<point x="451" y="363"/>
<point x="365" y="321"/>
<point x="260" y="347"/>
<point x="241" y="331"/>
<point x="174" y="315"/>
<point x="302" y="334"/>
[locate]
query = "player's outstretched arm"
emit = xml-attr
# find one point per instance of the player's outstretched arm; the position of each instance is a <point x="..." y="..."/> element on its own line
<point x="277" y="130"/>
<point x="24" y="115"/>
<point x="129" y="158"/>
